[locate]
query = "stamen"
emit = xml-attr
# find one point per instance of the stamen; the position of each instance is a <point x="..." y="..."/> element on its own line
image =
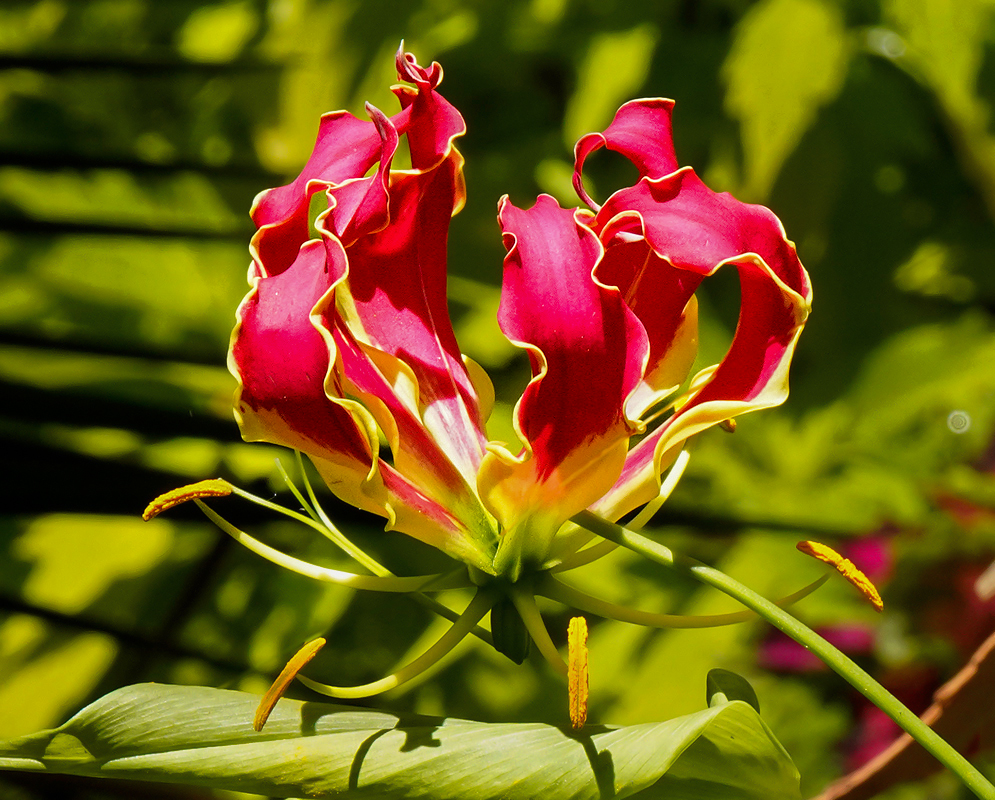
<point x="666" y="489"/>
<point x="846" y="568"/>
<point x="306" y="568"/>
<point x="283" y="681"/>
<point x="575" y="598"/>
<point x="577" y="679"/>
<point x="295" y="491"/>
<point x="474" y="612"/>
<point x="216" y="487"/>
<point x="604" y="547"/>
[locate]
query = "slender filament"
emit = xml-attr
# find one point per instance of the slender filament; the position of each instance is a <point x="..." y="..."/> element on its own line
<point x="525" y="604"/>
<point x="474" y="612"/>
<point x="569" y="596"/>
<point x="309" y="570"/>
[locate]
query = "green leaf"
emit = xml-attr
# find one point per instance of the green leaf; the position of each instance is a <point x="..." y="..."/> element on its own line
<point x="723" y="686"/>
<point x="789" y="58"/>
<point x="203" y="736"/>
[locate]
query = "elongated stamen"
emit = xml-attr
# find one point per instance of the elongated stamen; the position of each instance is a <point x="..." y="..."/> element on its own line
<point x="221" y="488"/>
<point x="846" y="568"/>
<point x="330" y="530"/>
<point x="215" y="487"/>
<point x="300" y="660"/>
<point x="577" y="680"/>
<point x="474" y="612"/>
<point x="525" y="603"/>
<point x="374" y="583"/>
<point x="334" y="535"/>
<point x="575" y="598"/>
<point x="604" y="547"/>
<point x="295" y="491"/>
<point x="666" y="489"/>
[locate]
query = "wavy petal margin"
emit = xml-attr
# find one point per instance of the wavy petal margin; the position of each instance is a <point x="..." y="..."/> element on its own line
<point x="345" y="335"/>
<point x="642" y="131"/>
<point x="588" y="351"/>
<point x="690" y="228"/>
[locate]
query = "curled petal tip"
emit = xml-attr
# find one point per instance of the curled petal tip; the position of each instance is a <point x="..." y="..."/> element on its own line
<point x="216" y="487"/>
<point x="408" y="69"/>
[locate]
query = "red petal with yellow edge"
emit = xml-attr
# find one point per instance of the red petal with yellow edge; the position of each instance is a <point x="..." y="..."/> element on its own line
<point x="346" y="148"/>
<point x="662" y="297"/>
<point x="282" y="361"/>
<point x="397" y="303"/>
<point x="694" y="229"/>
<point x="642" y="131"/>
<point x="587" y="351"/>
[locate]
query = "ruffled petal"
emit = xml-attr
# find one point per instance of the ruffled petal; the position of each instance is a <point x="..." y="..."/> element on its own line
<point x="642" y="131"/>
<point x="662" y="297"/>
<point x="281" y="362"/>
<point x="289" y="395"/>
<point x="693" y="229"/>
<point x="394" y="297"/>
<point x="587" y="351"/>
<point x="346" y="148"/>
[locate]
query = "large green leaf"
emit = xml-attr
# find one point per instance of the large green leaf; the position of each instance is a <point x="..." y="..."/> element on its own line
<point x="203" y="736"/>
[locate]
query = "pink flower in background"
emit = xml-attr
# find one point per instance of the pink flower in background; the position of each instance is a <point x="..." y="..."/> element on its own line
<point x="345" y="339"/>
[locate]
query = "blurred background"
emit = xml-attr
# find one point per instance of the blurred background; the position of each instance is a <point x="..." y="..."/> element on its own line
<point x="133" y="137"/>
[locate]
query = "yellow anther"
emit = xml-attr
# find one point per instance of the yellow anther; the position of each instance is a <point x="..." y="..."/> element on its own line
<point x="846" y="568"/>
<point x="283" y="680"/>
<point x="577" y="670"/>
<point x="216" y="487"/>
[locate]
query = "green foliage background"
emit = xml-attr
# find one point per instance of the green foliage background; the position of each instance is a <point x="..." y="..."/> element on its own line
<point x="133" y="136"/>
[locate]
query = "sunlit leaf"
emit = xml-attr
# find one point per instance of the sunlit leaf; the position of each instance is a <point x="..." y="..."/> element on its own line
<point x="205" y="737"/>
<point x="788" y="59"/>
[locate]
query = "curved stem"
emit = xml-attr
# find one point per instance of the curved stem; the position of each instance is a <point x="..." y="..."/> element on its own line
<point x="525" y="604"/>
<point x="474" y="612"/>
<point x="309" y="570"/>
<point x="575" y="598"/>
<point x="805" y="636"/>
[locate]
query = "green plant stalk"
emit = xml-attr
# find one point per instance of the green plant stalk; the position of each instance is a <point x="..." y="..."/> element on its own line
<point x="805" y="636"/>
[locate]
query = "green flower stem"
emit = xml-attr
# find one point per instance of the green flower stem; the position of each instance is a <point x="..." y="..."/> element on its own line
<point x="805" y="636"/>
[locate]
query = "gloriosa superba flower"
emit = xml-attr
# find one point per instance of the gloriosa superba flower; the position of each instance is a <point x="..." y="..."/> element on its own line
<point x="345" y="338"/>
